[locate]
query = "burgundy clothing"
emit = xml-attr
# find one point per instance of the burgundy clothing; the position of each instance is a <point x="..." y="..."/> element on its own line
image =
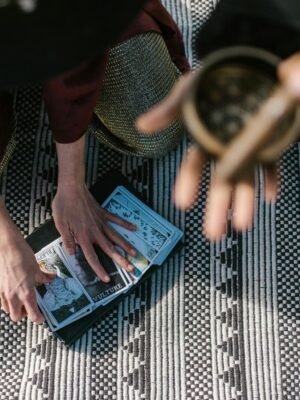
<point x="71" y="97"/>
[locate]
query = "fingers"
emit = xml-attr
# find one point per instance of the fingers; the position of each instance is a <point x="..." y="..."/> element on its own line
<point x="42" y="278"/>
<point x="188" y="178"/>
<point x="217" y="206"/>
<point x="119" y="240"/>
<point x="19" y="306"/>
<point x="23" y="312"/>
<point x="27" y="303"/>
<point x="271" y="183"/>
<point x="4" y="305"/>
<point x="112" y="252"/>
<point x="32" y="309"/>
<point x="93" y="260"/>
<point x="119" y="221"/>
<point x="162" y="114"/>
<point x="15" y="308"/>
<point x="119" y="259"/>
<point x="67" y="237"/>
<point x="289" y="73"/>
<point x="243" y="204"/>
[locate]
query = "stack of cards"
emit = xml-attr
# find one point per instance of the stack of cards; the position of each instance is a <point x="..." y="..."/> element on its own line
<point x="76" y="290"/>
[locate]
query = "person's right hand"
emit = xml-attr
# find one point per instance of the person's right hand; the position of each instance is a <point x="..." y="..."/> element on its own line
<point x="221" y="194"/>
<point x="19" y="274"/>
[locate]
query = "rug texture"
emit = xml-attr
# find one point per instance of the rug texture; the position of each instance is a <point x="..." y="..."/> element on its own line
<point x="217" y="322"/>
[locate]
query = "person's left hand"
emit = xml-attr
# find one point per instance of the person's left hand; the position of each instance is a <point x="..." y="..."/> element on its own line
<point x="80" y="220"/>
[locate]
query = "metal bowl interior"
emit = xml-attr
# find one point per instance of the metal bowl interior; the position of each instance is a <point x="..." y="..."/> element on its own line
<point x="226" y="92"/>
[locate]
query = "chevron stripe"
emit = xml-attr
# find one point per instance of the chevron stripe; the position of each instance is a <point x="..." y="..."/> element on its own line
<point x="219" y="321"/>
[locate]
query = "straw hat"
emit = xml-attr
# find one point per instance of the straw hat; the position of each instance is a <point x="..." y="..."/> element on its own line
<point x="139" y="74"/>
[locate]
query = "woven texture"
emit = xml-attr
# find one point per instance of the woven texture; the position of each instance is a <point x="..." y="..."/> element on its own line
<point x="218" y="321"/>
<point x="139" y="74"/>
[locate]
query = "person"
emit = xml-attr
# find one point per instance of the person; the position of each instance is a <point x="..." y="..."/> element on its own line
<point x="272" y="25"/>
<point x="90" y="64"/>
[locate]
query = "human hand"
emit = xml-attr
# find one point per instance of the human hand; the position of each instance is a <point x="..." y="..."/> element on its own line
<point x="80" y="220"/>
<point x="221" y="194"/>
<point x="19" y="274"/>
<point x="289" y="74"/>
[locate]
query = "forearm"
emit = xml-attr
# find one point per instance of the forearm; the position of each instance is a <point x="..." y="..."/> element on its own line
<point x="71" y="168"/>
<point x="7" y="227"/>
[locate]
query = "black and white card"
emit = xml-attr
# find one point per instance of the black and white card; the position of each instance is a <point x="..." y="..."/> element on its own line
<point x="154" y="237"/>
<point x="77" y="291"/>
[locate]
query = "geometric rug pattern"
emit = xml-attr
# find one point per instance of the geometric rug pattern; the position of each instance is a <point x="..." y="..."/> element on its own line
<point x="218" y="321"/>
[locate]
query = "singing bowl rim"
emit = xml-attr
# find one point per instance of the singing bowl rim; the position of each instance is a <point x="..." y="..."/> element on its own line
<point x="197" y="128"/>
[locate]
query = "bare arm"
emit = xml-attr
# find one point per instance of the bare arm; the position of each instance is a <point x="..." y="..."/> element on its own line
<point x="19" y="272"/>
<point x="79" y="218"/>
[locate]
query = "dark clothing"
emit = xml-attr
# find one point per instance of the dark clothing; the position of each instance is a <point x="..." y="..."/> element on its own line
<point x="273" y="25"/>
<point x="71" y="97"/>
<point x="57" y="35"/>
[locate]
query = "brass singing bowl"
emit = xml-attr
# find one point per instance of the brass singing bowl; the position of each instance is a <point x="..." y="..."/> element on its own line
<point x="238" y="111"/>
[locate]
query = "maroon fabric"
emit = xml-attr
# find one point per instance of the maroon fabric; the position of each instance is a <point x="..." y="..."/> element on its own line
<point x="170" y="32"/>
<point x="71" y="97"/>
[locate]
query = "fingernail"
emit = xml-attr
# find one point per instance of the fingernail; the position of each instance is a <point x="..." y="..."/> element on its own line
<point x="294" y="85"/>
<point x="106" y="278"/>
<point x="139" y="122"/>
<point x="130" y="268"/>
<point x="134" y="227"/>
<point x="38" y="319"/>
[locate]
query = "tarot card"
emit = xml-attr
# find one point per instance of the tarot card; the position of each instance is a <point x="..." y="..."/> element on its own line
<point x="144" y="212"/>
<point x="140" y="263"/>
<point x="63" y="298"/>
<point x="99" y="291"/>
<point x="174" y="234"/>
<point x="146" y="226"/>
<point x="126" y="276"/>
<point x="155" y="230"/>
<point x="167" y="249"/>
<point x="132" y="238"/>
<point x="51" y="323"/>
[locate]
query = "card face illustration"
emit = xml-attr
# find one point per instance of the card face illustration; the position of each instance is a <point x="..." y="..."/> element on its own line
<point x="76" y="290"/>
<point x="154" y="238"/>
<point x="147" y="228"/>
<point x="63" y="297"/>
<point x="144" y="230"/>
<point x="159" y="222"/>
<point x="140" y="263"/>
<point x="139" y="244"/>
<point x="97" y="289"/>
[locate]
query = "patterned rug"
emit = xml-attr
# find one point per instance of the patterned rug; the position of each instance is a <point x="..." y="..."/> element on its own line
<point x="215" y="322"/>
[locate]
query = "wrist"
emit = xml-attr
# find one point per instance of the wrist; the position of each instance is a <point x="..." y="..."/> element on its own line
<point x="5" y="220"/>
<point x="8" y="234"/>
<point x="69" y="187"/>
<point x="70" y="182"/>
<point x="71" y="165"/>
<point x="8" y="230"/>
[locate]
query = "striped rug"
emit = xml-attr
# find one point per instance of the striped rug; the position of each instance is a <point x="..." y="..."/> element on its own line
<point x="216" y="322"/>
